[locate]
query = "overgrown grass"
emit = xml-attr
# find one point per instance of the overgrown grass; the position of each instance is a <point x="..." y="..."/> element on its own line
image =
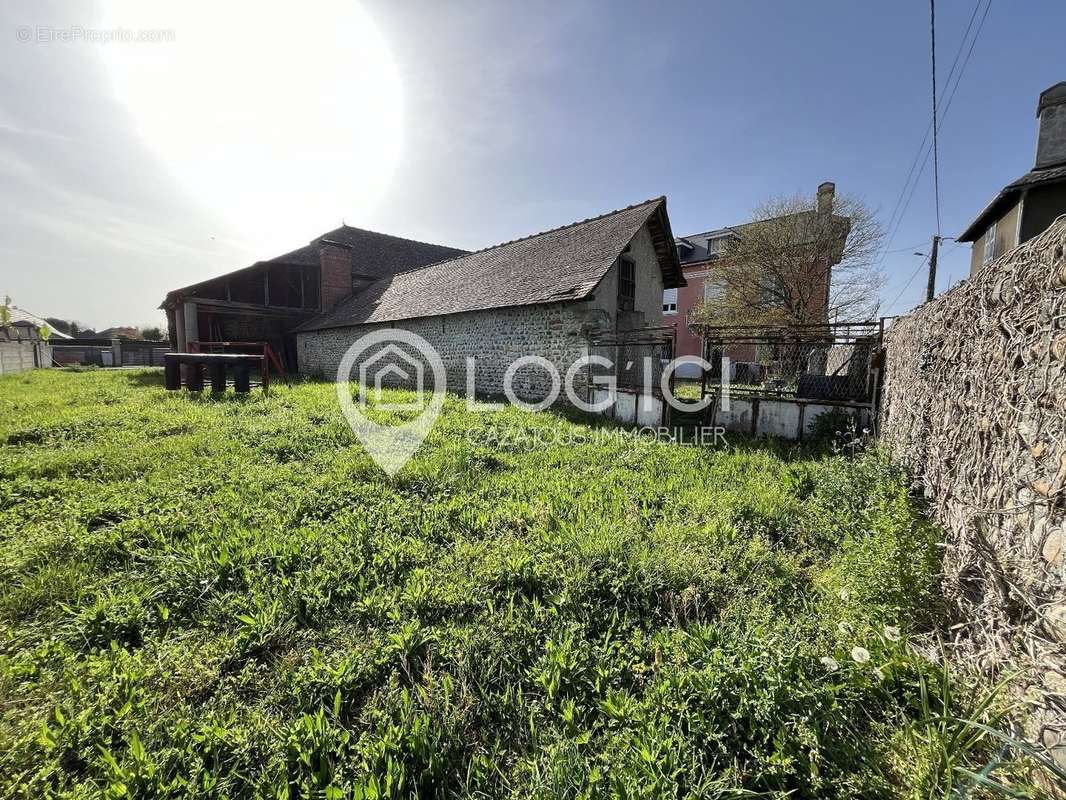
<point x="226" y="598"/>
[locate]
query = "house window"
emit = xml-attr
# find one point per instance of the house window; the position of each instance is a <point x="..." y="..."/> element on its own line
<point x="773" y="291"/>
<point x="716" y="246"/>
<point x="712" y="290"/>
<point x="990" y="244"/>
<point x="627" y="284"/>
<point x="669" y="301"/>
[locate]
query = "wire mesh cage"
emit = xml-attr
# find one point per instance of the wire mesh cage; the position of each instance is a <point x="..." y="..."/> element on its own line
<point x="832" y="361"/>
<point x="634" y="359"/>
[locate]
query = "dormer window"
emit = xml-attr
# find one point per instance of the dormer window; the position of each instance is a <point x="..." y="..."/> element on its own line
<point x="716" y="246"/>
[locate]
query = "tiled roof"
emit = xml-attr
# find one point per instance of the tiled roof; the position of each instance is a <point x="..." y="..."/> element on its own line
<point x="557" y="265"/>
<point x="697" y="250"/>
<point x="694" y="247"/>
<point x="999" y="204"/>
<point x="374" y="255"/>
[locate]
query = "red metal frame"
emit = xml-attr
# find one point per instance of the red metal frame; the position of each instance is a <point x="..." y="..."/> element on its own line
<point x="270" y="357"/>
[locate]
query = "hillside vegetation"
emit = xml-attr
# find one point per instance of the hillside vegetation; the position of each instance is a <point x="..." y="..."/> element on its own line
<point x="227" y="598"/>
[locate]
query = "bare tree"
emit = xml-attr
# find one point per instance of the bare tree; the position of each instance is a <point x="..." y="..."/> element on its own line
<point x="800" y="261"/>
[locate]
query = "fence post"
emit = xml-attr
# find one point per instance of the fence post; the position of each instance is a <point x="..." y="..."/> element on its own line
<point x="116" y="353"/>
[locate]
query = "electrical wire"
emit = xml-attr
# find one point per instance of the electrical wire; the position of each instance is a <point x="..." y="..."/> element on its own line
<point x="909" y="247"/>
<point x="936" y="148"/>
<point x="928" y="129"/>
<point x="907" y="285"/>
<point x="943" y="115"/>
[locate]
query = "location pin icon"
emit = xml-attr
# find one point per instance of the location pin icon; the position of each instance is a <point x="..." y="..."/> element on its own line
<point x="391" y="446"/>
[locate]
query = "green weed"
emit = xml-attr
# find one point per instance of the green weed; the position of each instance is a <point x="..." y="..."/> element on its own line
<point x="217" y="598"/>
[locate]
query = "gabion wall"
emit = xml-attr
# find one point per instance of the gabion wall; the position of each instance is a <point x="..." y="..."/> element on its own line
<point x="975" y="405"/>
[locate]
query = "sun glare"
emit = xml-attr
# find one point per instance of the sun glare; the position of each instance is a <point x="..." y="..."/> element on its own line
<point x="281" y="123"/>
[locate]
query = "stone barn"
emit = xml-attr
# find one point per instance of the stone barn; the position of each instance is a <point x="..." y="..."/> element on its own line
<point x="543" y="295"/>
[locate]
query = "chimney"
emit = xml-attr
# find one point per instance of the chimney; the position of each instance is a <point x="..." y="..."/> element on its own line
<point x="1051" y="136"/>
<point x="825" y="196"/>
<point x="336" y="273"/>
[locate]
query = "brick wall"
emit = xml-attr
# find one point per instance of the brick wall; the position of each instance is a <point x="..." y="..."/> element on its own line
<point x="336" y="280"/>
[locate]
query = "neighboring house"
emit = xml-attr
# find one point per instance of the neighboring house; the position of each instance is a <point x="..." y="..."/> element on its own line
<point x="121" y="332"/>
<point x="25" y="320"/>
<point x="266" y="301"/>
<point x="1030" y="204"/>
<point x="701" y="257"/>
<point x="543" y="295"/>
<point x="21" y="345"/>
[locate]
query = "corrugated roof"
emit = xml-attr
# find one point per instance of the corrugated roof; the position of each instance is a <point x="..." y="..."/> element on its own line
<point x="561" y="264"/>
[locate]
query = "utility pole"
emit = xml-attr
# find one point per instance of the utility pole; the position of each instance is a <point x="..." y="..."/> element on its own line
<point x="930" y="289"/>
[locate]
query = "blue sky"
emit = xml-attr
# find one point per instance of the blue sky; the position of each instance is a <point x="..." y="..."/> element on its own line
<point x="516" y="117"/>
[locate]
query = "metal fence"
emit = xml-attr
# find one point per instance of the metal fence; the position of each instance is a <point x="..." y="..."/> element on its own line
<point x="109" y="352"/>
<point x="785" y="381"/>
<point x="633" y="360"/>
<point x="637" y="357"/>
<point x="811" y="362"/>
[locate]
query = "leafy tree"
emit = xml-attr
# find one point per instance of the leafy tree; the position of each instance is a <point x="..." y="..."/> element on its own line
<point x="60" y="325"/>
<point x="153" y="333"/>
<point x="795" y="264"/>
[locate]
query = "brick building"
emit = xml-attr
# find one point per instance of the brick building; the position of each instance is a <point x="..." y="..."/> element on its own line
<point x="701" y="256"/>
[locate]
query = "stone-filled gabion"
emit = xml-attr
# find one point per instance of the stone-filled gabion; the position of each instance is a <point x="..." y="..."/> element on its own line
<point x="975" y="405"/>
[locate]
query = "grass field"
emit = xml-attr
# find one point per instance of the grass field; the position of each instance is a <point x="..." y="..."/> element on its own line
<point x="226" y="598"/>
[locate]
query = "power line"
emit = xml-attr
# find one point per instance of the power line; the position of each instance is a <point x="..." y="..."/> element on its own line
<point x="909" y="247"/>
<point x="936" y="149"/>
<point x="892" y="227"/>
<point x="907" y="285"/>
<point x="923" y="153"/>
<point x="965" y="61"/>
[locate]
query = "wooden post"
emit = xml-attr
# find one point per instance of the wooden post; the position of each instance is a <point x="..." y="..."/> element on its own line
<point x="930" y="288"/>
<point x="194" y="377"/>
<point x="171" y="373"/>
<point x="241" y="382"/>
<point x="218" y="378"/>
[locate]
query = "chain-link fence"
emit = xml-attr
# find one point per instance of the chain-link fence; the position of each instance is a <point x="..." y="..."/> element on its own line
<point x="810" y="362"/>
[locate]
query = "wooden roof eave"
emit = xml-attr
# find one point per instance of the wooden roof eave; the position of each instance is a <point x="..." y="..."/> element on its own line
<point x="663" y="241"/>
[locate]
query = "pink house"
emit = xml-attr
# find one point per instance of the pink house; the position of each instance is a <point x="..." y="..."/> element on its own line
<point x="699" y="254"/>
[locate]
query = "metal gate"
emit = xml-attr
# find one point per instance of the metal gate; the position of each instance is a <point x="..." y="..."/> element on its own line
<point x="636" y="359"/>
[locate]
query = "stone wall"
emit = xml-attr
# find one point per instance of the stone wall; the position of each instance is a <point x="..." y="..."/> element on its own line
<point x="975" y="405"/>
<point x="495" y="338"/>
